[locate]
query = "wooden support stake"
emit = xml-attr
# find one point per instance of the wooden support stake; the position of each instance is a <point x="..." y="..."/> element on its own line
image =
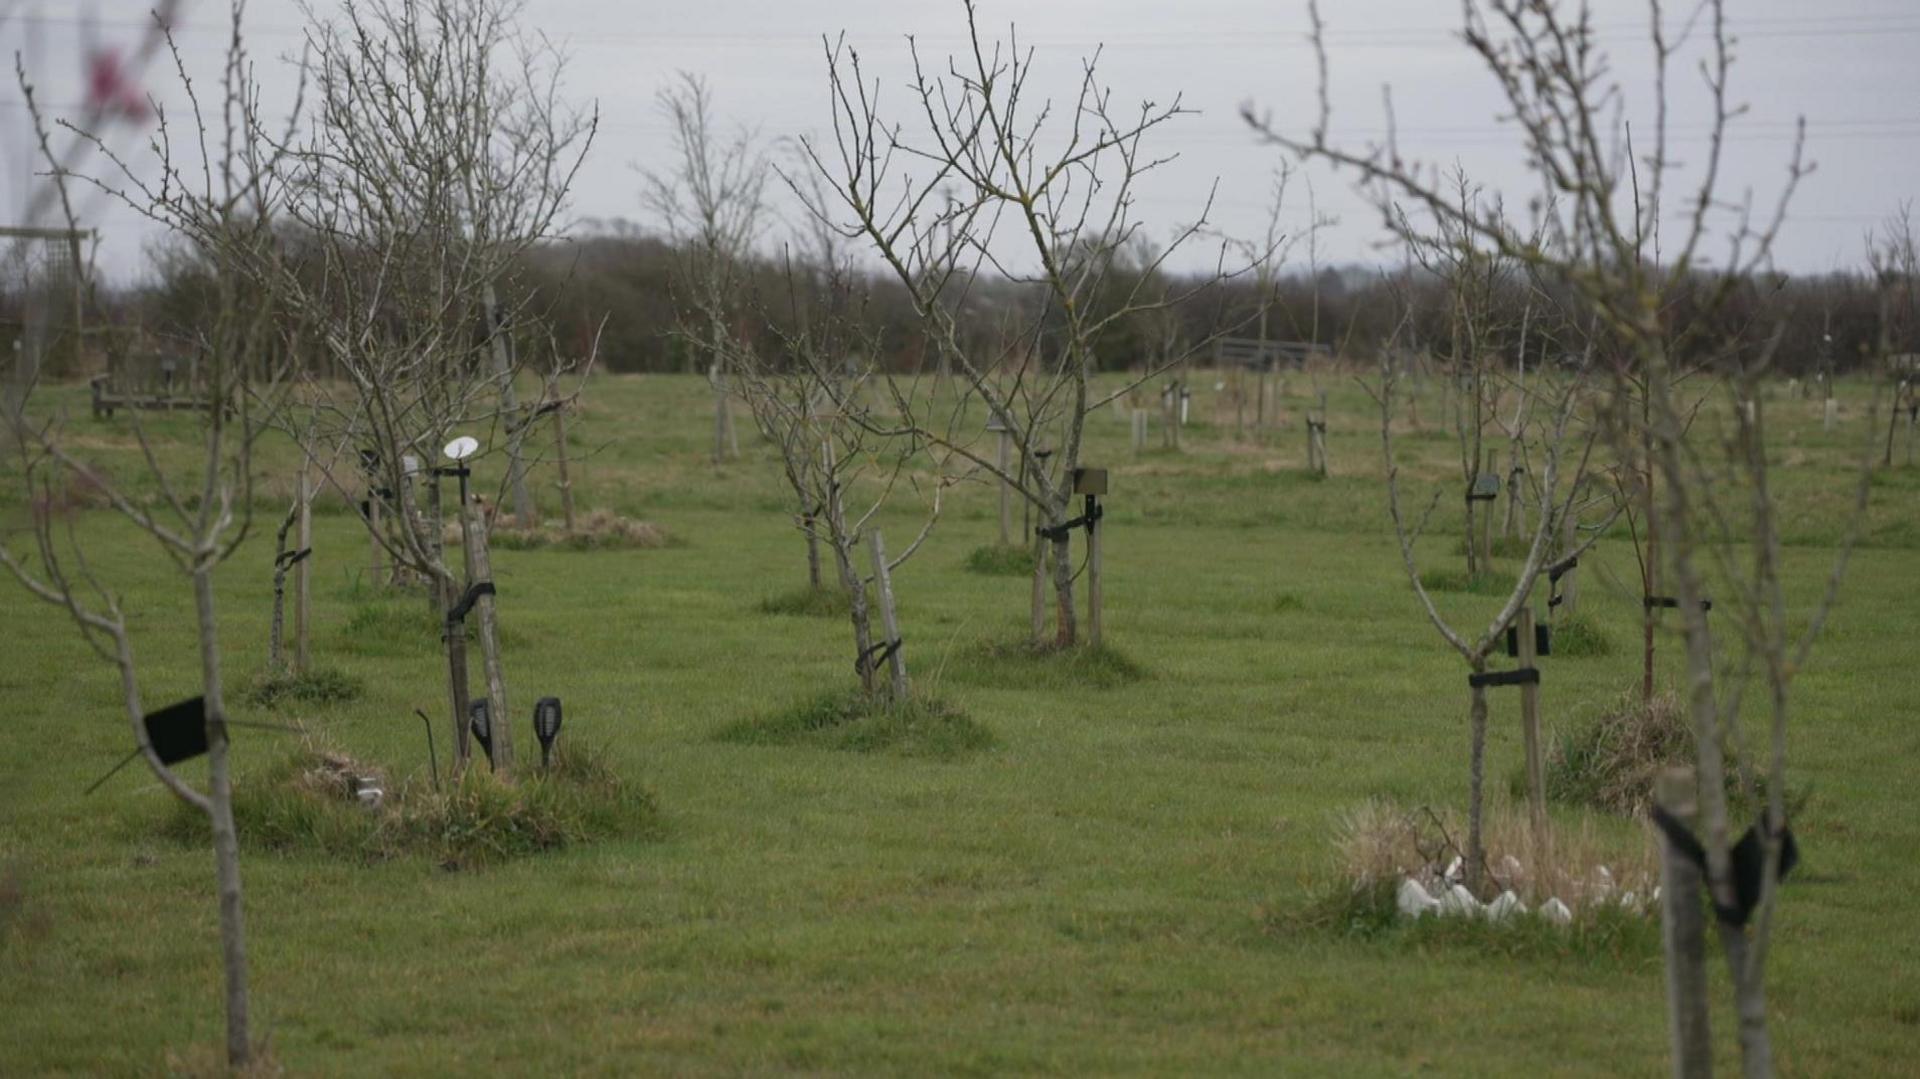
<point x="889" y="619"/>
<point x="1570" y="579"/>
<point x="1139" y="431"/>
<point x="560" y="462"/>
<point x="475" y="536"/>
<point x="1530" y="736"/>
<point x="1832" y="413"/>
<point x="375" y="564"/>
<point x="455" y="641"/>
<point x="1004" y="460"/>
<point x="302" y="571"/>
<point x="1093" y="571"/>
<point x="1683" y="931"/>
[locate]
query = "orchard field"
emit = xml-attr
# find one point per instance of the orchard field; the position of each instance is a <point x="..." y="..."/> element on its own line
<point x="1121" y="878"/>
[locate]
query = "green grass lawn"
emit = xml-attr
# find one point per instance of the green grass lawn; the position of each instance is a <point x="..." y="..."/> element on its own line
<point x="1100" y="886"/>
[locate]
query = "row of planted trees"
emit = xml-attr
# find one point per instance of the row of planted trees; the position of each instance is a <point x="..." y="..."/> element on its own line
<point x="433" y="152"/>
<point x="377" y="221"/>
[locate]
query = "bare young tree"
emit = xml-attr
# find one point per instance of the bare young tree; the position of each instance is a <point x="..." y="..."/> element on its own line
<point x="1612" y="196"/>
<point x="437" y="152"/>
<point x="202" y="510"/>
<point x="995" y="181"/>
<point x="845" y="463"/>
<point x="712" y="202"/>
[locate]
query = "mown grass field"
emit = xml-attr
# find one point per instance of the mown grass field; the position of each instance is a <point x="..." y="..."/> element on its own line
<point x="1107" y="888"/>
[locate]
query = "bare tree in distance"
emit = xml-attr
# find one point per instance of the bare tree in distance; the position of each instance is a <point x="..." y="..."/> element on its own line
<point x="712" y="202"/>
<point x="990" y="172"/>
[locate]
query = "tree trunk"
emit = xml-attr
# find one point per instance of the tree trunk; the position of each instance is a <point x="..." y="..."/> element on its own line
<point x="1066" y="631"/>
<point x="1683" y="934"/>
<point x="810" y="525"/>
<point x="454" y="639"/>
<point x="1039" y="590"/>
<point x="302" y="572"/>
<point x="276" y="631"/>
<point x="560" y="463"/>
<point x="1476" y="773"/>
<point x="226" y="843"/>
<point x="889" y="619"/>
<point x="502" y="730"/>
<point x="502" y="348"/>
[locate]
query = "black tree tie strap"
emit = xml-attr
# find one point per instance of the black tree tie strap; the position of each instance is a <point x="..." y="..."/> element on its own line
<point x="872" y="658"/>
<point x="1748" y="858"/>
<point x="458" y="612"/>
<point x="1523" y="676"/>
<point x="1061" y="531"/>
<point x="1652" y="602"/>
<point x="292" y="558"/>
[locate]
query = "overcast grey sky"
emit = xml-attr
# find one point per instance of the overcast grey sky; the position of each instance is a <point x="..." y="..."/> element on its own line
<point x="1847" y="67"/>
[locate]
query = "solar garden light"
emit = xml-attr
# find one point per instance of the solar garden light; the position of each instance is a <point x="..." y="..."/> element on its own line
<point x="458" y="451"/>
<point x="480" y="722"/>
<point x="546" y="727"/>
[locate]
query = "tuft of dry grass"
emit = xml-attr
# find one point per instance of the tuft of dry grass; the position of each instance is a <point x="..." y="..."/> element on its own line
<point x="599" y="530"/>
<point x="1379" y="842"/>
<point x="1611" y="763"/>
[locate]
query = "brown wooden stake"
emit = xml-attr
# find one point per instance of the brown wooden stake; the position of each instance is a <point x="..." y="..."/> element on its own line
<point x="560" y="463"/>
<point x="454" y="639"/>
<point x="1093" y="572"/>
<point x="1039" y="590"/>
<point x="302" y="572"/>
<point x="1005" y="460"/>
<point x="475" y="537"/>
<point x="1530" y="733"/>
<point x="1570" y="578"/>
<point x="1683" y="932"/>
<point x="889" y="619"/>
<point x="375" y="565"/>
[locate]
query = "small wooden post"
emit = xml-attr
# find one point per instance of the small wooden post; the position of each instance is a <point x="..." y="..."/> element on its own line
<point x="1004" y="460"/>
<point x="1530" y="734"/>
<point x="1092" y="482"/>
<point x="302" y="571"/>
<point x="1139" y="431"/>
<point x="474" y="532"/>
<point x="1569" y="578"/>
<point x="1683" y="931"/>
<point x="375" y="564"/>
<point x="1832" y="414"/>
<point x="723" y="437"/>
<point x="889" y="618"/>
<point x="560" y="463"/>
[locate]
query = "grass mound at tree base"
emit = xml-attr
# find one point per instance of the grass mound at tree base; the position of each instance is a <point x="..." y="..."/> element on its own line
<point x="1024" y="665"/>
<point x="306" y="801"/>
<point x="1612" y="761"/>
<point x="1579" y="636"/>
<point x="855" y="722"/>
<point x="319" y="686"/>
<point x="1602" y="935"/>
<point x="1485" y="583"/>
<point x="1000" y="560"/>
<point x="807" y="602"/>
